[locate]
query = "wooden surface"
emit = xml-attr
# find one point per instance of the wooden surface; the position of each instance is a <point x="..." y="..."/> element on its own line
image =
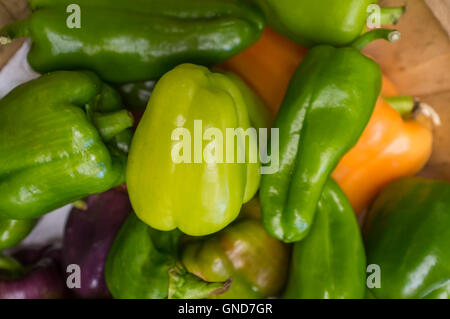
<point x="11" y="10"/>
<point x="441" y="10"/>
<point x="419" y="64"/>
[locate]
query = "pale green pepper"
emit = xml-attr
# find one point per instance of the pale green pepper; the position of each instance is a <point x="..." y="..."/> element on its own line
<point x="182" y="172"/>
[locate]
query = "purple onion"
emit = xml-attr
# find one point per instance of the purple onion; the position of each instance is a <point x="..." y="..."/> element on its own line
<point x="88" y="237"/>
<point x="40" y="278"/>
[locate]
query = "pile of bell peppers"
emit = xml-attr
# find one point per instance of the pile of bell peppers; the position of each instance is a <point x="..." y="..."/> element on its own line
<point x="111" y="127"/>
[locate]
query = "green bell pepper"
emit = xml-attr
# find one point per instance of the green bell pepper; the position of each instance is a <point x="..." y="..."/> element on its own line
<point x="198" y="191"/>
<point x="13" y="231"/>
<point x="407" y="234"/>
<point x="142" y="264"/>
<point x="135" y="40"/>
<point x="46" y="163"/>
<point x="330" y="262"/>
<point x="256" y="262"/>
<point x="328" y="104"/>
<point x="334" y="22"/>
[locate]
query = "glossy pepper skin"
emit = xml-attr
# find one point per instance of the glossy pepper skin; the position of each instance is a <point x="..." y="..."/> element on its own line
<point x="45" y="163"/>
<point x="360" y="174"/>
<point x="88" y="237"/>
<point x="328" y="104"/>
<point x="256" y="262"/>
<point x="334" y="22"/>
<point x="198" y="195"/>
<point x="143" y="264"/>
<point x="402" y="147"/>
<point x="330" y="262"/>
<point x="407" y="234"/>
<point x="136" y="40"/>
<point x="13" y="231"/>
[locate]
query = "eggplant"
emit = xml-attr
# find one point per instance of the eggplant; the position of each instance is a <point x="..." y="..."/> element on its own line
<point x="33" y="273"/>
<point x="89" y="233"/>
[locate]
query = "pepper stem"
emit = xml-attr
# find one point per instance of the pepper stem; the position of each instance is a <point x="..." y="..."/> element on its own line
<point x="4" y="40"/>
<point x="18" y="29"/>
<point x="10" y="267"/>
<point x="362" y="41"/>
<point x="80" y="204"/>
<point x="403" y="104"/>
<point x="391" y="15"/>
<point x="184" y="285"/>
<point x="111" y="124"/>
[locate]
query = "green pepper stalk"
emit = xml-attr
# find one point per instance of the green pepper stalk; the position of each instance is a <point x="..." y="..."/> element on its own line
<point x="13" y="231"/>
<point x="62" y="138"/>
<point x="328" y="104"/>
<point x="135" y="40"/>
<point x="143" y="263"/>
<point x="403" y="104"/>
<point x="407" y="234"/>
<point x="10" y="267"/>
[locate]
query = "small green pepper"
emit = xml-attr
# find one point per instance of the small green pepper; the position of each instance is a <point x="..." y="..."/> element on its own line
<point x="13" y="231"/>
<point x="330" y="262"/>
<point x="135" y="40"/>
<point x="328" y="104"/>
<point x="407" y="234"/>
<point x="62" y="137"/>
<point x="256" y="262"/>
<point x="175" y="177"/>
<point x="142" y="263"/>
<point x="334" y="22"/>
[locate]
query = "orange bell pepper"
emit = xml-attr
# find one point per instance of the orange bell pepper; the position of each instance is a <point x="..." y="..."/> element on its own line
<point x="268" y="66"/>
<point x="389" y="148"/>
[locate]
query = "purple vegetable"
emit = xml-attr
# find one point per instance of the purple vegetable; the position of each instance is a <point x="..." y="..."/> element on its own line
<point x="38" y="277"/>
<point x="88" y="237"/>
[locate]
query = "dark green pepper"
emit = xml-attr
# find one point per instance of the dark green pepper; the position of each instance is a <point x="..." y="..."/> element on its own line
<point x="330" y="262"/>
<point x="407" y="234"/>
<point x="328" y="104"/>
<point x="135" y="95"/>
<point x="256" y="262"/>
<point x="63" y="136"/>
<point x="136" y="40"/>
<point x="334" y="22"/>
<point x="13" y="231"/>
<point x="142" y="263"/>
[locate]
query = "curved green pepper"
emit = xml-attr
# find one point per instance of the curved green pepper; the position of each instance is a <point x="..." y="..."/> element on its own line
<point x="45" y="163"/>
<point x="256" y="262"/>
<point x="330" y="262"/>
<point x="194" y="188"/>
<point x="136" y="40"/>
<point x="328" y="104"/>
<point x="334" y="22"/>
<point x="407" y="234"/>
<point x="142" y="263"/>
<point x="13" y="231"/>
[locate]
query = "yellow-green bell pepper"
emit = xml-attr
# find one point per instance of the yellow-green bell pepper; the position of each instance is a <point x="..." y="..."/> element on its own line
<point x="176" y="176"/>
